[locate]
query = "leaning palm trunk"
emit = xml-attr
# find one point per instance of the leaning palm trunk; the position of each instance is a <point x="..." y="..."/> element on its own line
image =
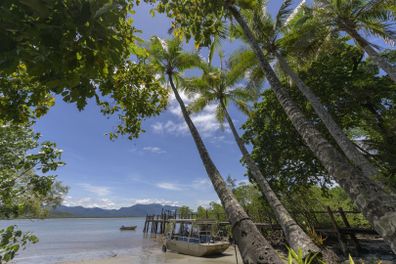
<point x="253" y="246"/>
<point x="380" y="61"/>
<point x="346" y="145"/>
<point x="295" y="236"/>
<point x="378" y="207"/>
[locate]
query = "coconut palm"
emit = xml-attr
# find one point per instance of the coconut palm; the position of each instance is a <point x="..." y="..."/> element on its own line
<point x="219" y="86"/>
<point x="170" y="61"/>
<point x="378" y="207"/>
<point x="271" y="35"/>
<point x="374" y="17"/>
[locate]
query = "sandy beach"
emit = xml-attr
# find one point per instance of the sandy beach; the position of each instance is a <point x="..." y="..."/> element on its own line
<point x="157" y="256"/>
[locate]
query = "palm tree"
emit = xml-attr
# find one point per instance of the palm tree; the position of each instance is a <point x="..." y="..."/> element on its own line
<point x="170" y="60"/>
<point x="218" y="86"/>
<point x="378" y="207"/>
<point x="375" y="17"/>
<point x="271" y="36"/>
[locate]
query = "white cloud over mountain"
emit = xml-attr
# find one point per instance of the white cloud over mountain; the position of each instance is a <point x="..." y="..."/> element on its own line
<point x="106" y="198"/>
<point x="113" y="203"/>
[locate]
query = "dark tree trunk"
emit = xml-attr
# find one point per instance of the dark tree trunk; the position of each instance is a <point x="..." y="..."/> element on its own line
<point x="346" y="145"/>
<point x="295" y="236"/>
<point x="365" y="45"/>
<point x="253" y="246"/>
<point x="377" y="206"/>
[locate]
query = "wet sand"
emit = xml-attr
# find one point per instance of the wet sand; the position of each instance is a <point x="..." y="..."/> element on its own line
<point x="155" y="255"/>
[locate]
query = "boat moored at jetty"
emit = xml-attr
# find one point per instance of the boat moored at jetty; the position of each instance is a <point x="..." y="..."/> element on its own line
<point x="130" y="228"/>
<point x="194" y="237"/>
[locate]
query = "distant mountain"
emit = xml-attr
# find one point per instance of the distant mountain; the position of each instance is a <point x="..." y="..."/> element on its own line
<point x="135" y="210"/>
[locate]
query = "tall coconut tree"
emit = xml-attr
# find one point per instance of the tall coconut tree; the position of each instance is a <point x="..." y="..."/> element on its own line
<point x="170" y="61"/>
<point x="374" y="17"/>
<point x="219" y="86"/>
<point x="377" y="206"/>
<point x="271" y="34"/>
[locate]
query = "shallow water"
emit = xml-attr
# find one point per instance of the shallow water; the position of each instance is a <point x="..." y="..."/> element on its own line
<point x="71" y="239"/>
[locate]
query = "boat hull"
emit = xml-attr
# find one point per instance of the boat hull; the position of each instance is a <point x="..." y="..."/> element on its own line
<point x="128" y="228"/>
<point x="197" y="249"/>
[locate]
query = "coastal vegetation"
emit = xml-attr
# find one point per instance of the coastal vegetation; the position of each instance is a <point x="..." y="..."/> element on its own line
<point x="318" y="96"/>
<point x="26" y="187"/>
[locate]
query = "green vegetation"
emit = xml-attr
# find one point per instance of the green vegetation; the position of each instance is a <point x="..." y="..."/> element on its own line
<point x="26" y="187"/>
<point x="298" y="257"/>
<point x="12" y="240"/>
<point x="301" y="204"/>
<point x="24" y="191"/>
<point x="327" y="119"/>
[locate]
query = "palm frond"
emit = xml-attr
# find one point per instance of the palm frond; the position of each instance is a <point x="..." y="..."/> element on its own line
<point x="199" y="104"/>
<point x="220" y="116"/>
<point x="215" y="45"/>
<point x="186" y="60"/>
<point x="260" y="22"/>
<point x="195" y="85"/>
<point x="235" y="74"/>
<point x="241" y="61"/>
<point x="374" y="7"/>
<point x="297" y="12"/>
<point x="242" y="94"/>
<point x="303" y="41"/>
<point x="283" y="14"/>
<point x="385" y="31"/>
<point x="255" y="79"/>
<point x="243" y="106"/>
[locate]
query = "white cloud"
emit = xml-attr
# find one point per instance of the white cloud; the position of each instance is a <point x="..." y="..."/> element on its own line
<point x="90" y="202"/>
<point x="169" y="186"/>
<point x="98" y="190"/>
<point x="156" y="201"/>
<point x="155" y="150"/>
<point x="197" y="184"/>
<point x="170" y="127"/>
<point x="205" y="121"/>
<point x="187" y="99"/>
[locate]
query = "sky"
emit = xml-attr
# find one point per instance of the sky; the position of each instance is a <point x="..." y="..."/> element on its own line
<point x="161" y="166"/>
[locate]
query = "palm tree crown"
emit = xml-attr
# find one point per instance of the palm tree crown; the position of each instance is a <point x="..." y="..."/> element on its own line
<point x="373" y="17"/>
<point x="376" y="18"/>
<point x="222" y="86"/>
<point x="169" y="57"/>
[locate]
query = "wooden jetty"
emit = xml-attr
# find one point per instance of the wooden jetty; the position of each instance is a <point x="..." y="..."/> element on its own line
<point x="155" y="224"/>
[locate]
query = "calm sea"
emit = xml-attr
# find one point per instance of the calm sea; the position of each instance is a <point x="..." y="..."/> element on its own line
<point x="75" y="239"/>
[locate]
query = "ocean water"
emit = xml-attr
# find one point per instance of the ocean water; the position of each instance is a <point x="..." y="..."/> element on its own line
<point x="71" y="239"/>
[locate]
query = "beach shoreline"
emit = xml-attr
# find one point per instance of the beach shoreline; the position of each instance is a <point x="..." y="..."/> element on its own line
<point x="155" y="255"/>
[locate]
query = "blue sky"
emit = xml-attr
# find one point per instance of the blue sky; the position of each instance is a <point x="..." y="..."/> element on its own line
<point x="161" y="166"/>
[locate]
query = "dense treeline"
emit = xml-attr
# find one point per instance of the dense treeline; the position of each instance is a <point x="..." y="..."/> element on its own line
<point x="301" y="204"/>
<point x="318" y="94"/>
